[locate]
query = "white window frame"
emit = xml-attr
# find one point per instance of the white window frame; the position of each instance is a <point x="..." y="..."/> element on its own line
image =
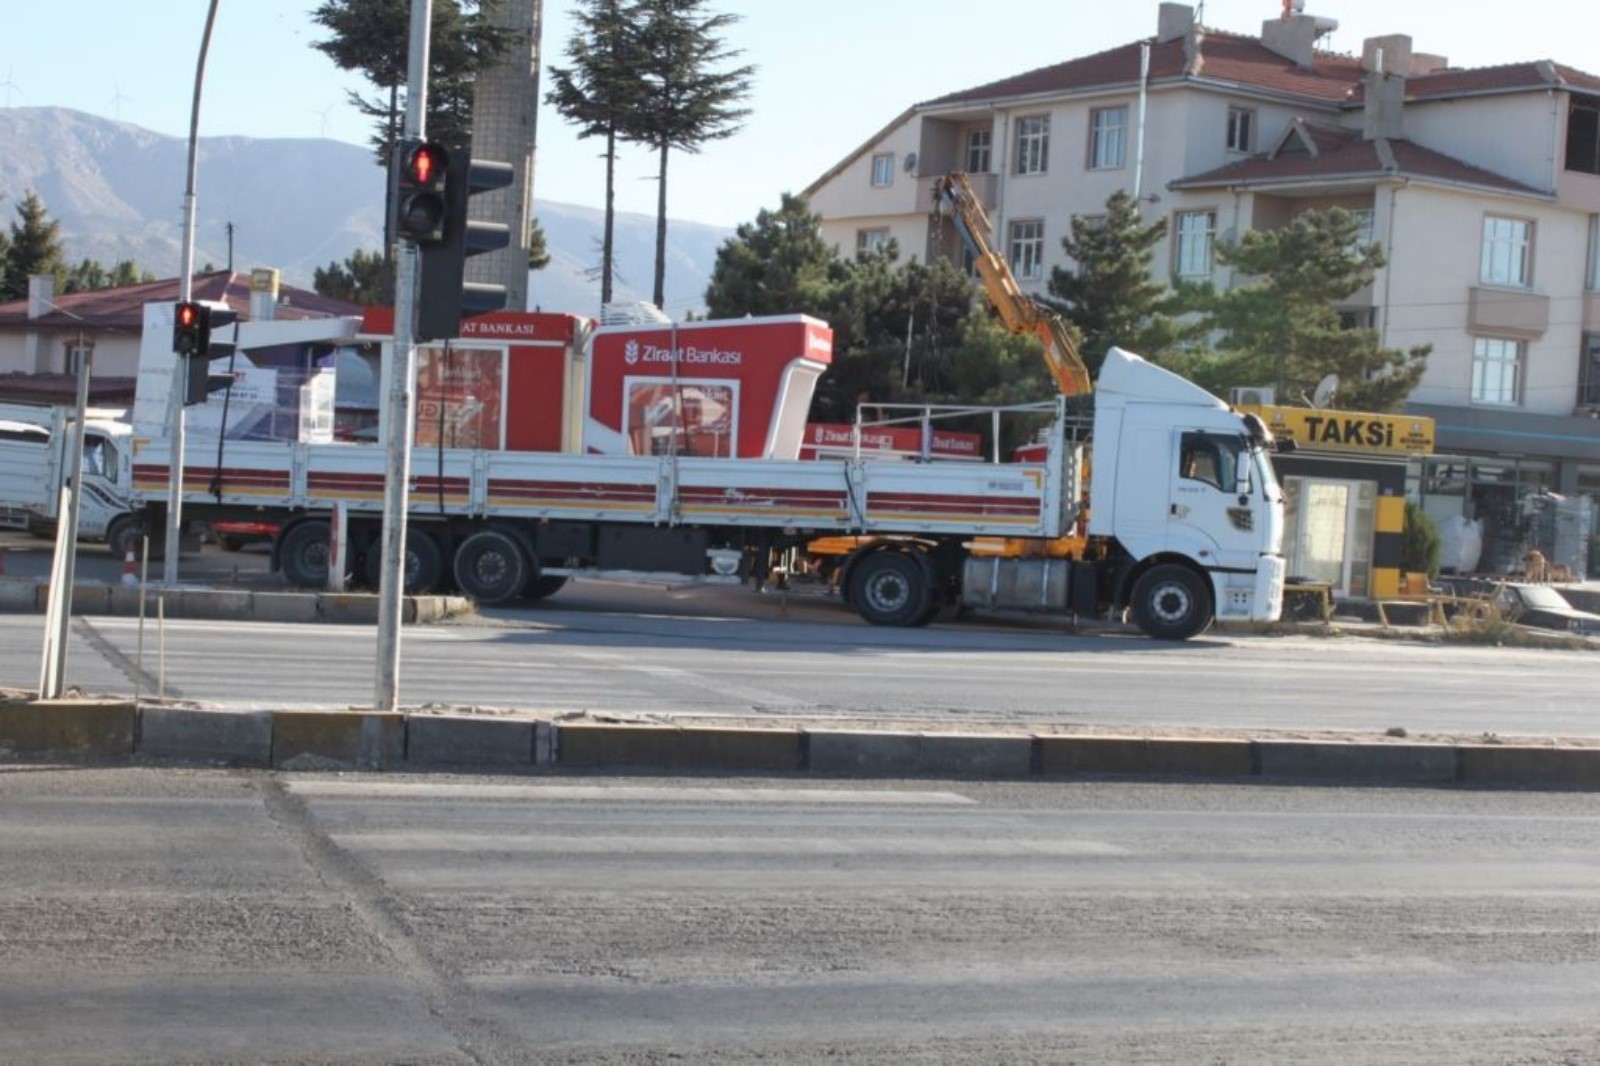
<point x="1497" y="371"/>
<point x="1191" y="260"/>
<point x="1507" y="254"/>
<point x="1033" y="144"/>
<point x="1025" y="248"/>
<point x="980" y="151"/>
<point x="883" y="170"/>
<point x="1241" y="130"/>
<point x="870" y="240"/>
<point x="1108" y="137"/>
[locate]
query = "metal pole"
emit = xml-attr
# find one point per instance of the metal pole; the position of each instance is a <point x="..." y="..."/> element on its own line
<point x="169" y="570"/>
<point x="402" y="385"/>
<point x="53" y="668"/>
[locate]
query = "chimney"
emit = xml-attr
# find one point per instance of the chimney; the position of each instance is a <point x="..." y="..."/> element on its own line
<point x="1295" y="36"/>
<point x="1174" y="22"/>
<point x="263" y="294"/>
<point x="41" y="290"/>
<point x="1387" y="61"/>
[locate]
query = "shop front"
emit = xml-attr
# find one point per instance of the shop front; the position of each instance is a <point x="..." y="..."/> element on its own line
<point x="1344" y="495"/>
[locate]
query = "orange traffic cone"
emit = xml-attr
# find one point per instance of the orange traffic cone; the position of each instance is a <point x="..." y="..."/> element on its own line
<point x="130" y="570"/>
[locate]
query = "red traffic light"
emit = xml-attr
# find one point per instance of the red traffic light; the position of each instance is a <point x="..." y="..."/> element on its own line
<point x="187" y="328"/>
<point x="425" y="165"/>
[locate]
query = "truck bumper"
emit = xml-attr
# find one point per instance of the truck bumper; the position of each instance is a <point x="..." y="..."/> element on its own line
<point x="1250" y="597"/>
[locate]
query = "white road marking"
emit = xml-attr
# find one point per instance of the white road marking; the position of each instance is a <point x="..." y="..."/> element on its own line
<point x="405" y="790"/>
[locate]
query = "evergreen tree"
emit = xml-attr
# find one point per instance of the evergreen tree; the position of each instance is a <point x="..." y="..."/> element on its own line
<point x="1283" y="328"/>
<point x="602" y="92"/>
<point x="127" y="272"/>
<point x="778" y="264"/>
<point x="34" y="247"/>
<point x="691" y="96"/>
<point x="373" y="37"/>
<point x="362" y="279"/>
<point x="1112" y="297"/>
<point x="538" y="249"/>
<point x="90" y="275"/>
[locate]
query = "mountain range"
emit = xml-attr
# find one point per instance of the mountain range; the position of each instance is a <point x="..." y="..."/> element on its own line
<point x="294" y="204"/>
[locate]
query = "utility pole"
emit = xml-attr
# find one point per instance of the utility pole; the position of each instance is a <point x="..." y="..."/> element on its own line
<point x="180" y="369"/>
<point x="402" y="386"/>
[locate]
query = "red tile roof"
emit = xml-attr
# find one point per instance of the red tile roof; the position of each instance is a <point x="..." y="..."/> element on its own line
<point x="1509" y="77"/>
<point x="1343" y="153"/>
<point x="1224" y="57"/>
<point x="123" y="307"/>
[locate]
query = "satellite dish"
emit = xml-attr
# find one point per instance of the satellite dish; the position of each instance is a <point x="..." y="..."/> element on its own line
<point x="1326" y="388"/>
<point x="911" y="162"/>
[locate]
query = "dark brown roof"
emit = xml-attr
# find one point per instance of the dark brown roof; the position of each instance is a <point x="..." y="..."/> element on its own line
<point x="1225" y="57"/>
<point x="62" y="389"/>
<point x="1244" y="61"/>
<point x="1343" y="153"/>
<point x="123" y="307"/>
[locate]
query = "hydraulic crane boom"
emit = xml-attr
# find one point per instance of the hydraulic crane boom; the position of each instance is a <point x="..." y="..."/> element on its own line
<point x="1019" y="311"/>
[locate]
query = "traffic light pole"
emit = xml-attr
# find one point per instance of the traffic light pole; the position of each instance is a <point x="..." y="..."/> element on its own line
<point x="180" y="369"/>
<point x="402" y="386"/>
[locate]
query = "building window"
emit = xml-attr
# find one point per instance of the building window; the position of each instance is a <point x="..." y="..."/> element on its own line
<point x="871" y="240"/>
<point x="883" y="170"/>
<point x="1364" y="218"/>
<point x="978" y="145"/>
<point x="1506" y="243"/>
<point x="1241" y="129"/>
<point x="1583" y="136"/>
<point x="1594" y="253"/>
<point x="1027" y="249"/>
<point x="1589" y="372"/>
<point x="1197" y="233"/>
<point x="1033" y="144"/>
<point x="1496" y="371"/>
<point x="1108" y="138"/>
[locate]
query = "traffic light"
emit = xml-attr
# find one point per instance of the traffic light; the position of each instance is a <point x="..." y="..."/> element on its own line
<point x="420" y="194"/>
<point x="193" y="323"/>
<point x="443" y="297"/>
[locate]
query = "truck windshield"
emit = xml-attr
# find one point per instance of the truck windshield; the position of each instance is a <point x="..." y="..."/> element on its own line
<point x="1261" y="463"/>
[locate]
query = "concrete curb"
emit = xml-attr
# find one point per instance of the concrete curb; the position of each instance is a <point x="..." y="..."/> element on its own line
<point x="24" y="595"/>
<point x="369" y="740"/>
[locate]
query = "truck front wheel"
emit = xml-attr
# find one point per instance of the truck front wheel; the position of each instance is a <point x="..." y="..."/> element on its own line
<point x="1171" y="602"/>
<point x="890" y="588"/>
<point x="491" y="567"/>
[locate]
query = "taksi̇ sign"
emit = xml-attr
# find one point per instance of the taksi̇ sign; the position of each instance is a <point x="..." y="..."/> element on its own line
<point x="1318" y="429"/>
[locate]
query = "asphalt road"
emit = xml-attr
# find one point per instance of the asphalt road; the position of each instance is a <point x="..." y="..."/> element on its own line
<point x="187" y="916"/>
<point x="607" y="650"/>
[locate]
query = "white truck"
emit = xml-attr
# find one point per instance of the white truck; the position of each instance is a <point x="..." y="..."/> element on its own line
<point x="33" y="440"/>
<point x="1181" y="521"/>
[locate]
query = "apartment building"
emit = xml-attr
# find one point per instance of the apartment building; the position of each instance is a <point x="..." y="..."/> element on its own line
<point x="1482" y="185"/>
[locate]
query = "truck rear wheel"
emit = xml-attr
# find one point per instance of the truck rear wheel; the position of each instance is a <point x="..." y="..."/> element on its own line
<point x="1171" y="602"/>
<point x="303" y="554"/>
<point x="890" y="588"/>
<point x="424" y="563"/>
<point x="491" y="567"/>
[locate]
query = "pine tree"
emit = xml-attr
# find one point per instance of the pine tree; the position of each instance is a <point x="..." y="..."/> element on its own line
<point x="601" y="93"/>
<point x="692" y="96"/>
<point x="1284" y="327"/>
<point x="779" y="264"/>
<point x="34" y="248"/>
<point x="538" y="248"/>
<point x="1112" y="296"/>
<point x="361" y="279"/>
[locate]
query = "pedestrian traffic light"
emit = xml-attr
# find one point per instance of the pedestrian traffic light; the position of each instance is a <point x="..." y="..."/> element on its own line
<point x="186" y="328"/>
<point x="193" y="329"/>
<point x="420" y="193"/>
<point x="444" y="297"/>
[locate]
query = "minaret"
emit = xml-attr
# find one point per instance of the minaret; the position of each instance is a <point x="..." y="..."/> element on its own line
<point x="505" y="117"/>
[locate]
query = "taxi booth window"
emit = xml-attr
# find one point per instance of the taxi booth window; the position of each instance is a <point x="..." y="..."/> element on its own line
<point x="1214" y="460"/>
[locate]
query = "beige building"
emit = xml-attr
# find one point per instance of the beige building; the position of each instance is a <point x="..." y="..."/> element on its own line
<point x="1482" y="185"/>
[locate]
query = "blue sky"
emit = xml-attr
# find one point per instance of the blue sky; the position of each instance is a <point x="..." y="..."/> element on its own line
<point x="831" y="72"/>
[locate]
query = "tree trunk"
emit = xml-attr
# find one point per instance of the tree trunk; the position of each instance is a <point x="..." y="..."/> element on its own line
<point x="658" y="294"/>
<point x="611" y="218"/>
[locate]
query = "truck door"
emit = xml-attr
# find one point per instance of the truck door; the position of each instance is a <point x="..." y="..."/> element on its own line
<point x="1212" y="511"/>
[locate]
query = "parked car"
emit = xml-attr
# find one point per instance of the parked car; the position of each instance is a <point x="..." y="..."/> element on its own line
<point x="1544" y="608"/>
<point x="233" y="535"/>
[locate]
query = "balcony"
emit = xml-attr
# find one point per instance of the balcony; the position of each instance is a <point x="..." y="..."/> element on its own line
<point x="987" y="187"/>
<point x="1508" y="312"/>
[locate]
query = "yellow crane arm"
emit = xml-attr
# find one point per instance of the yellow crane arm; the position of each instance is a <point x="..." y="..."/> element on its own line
<point x="1019" y="311"/>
